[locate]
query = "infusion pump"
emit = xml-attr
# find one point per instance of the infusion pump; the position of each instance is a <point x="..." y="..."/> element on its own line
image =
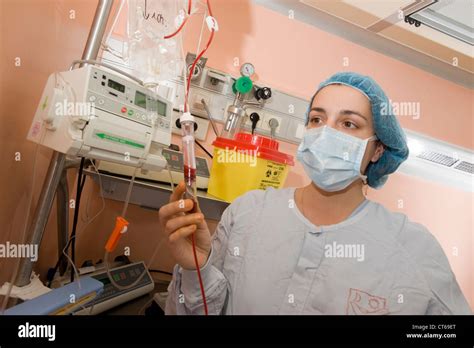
<point x="96" y="113"/>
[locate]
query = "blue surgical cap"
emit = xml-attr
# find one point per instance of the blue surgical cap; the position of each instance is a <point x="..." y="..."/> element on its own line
<point x="386" y="125"/>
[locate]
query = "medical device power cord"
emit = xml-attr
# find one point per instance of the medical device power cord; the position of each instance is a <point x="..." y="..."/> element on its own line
<point x="80" y="185"/>
<point x="76" y="215"/>
<point x="203" y="149"/>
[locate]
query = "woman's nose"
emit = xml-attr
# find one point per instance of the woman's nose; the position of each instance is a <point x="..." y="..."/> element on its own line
<point x="330" y="122"/>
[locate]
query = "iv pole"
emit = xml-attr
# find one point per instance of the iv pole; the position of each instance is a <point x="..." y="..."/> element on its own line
<point x="57" y="165"/>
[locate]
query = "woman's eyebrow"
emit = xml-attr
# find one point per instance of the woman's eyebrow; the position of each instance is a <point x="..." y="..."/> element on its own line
<point x="352" y="112"/>
<point x="318" y="109"/>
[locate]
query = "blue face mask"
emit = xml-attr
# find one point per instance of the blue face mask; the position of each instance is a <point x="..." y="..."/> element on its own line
<point x="332" y="159"/>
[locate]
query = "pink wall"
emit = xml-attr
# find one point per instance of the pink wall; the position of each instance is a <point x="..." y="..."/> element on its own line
<point x="288" y="55"/>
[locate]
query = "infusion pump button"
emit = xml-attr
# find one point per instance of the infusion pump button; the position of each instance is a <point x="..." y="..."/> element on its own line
<point x="101" y="101"/>
<point x="92" y="98"/>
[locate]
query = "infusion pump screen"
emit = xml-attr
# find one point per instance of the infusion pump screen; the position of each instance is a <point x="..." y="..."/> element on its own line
<point x="117" y="86"/>
<point x="153" y="104"/>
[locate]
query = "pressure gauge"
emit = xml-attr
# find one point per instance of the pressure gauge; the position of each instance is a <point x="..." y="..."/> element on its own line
<point x="247" y="69"/>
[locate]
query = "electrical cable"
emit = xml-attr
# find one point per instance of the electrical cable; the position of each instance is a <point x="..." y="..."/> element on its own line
<point x="204" y="149"/>
<point x="71" y="241"/>
<point x="88" y="222"/>
<point x="145" y="305"/>
<point x="76" y="214"/>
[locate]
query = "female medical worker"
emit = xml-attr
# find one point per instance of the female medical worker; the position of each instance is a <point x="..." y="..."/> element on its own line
<point x="323" y="248"/>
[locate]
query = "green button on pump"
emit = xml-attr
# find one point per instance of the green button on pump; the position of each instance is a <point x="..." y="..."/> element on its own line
<point x="130" y="112"/>
<point x="243" y="85"/>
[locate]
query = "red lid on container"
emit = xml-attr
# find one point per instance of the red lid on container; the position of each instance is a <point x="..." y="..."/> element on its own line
<point x="265" y="148"/>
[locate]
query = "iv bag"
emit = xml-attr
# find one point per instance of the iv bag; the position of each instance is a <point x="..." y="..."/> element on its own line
<point x="148" y="53"/>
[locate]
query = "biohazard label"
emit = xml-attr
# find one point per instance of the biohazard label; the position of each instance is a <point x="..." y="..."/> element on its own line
<point x="273" y="175"/>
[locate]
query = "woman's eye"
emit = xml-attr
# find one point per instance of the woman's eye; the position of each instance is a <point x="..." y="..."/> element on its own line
<point x="349" y="124"/>
<point x="315" y="119"/>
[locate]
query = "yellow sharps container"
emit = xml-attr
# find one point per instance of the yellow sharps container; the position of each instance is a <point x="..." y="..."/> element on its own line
<point x="247" y="162"/>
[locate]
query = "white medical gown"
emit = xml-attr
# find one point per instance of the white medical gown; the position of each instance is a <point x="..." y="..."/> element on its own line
<point x="267" y="258"/>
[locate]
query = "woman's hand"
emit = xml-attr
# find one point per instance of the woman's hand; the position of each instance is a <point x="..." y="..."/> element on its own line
<point x="178" y="228"/>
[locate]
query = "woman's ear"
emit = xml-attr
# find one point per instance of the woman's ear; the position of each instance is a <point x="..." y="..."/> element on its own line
<point x="379" y="150"/>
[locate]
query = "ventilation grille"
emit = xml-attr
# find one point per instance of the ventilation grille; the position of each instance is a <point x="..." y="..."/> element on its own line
<point x="436" y="157"/>
<point x="465" y="167"/>
<point x="447" y="161"/>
